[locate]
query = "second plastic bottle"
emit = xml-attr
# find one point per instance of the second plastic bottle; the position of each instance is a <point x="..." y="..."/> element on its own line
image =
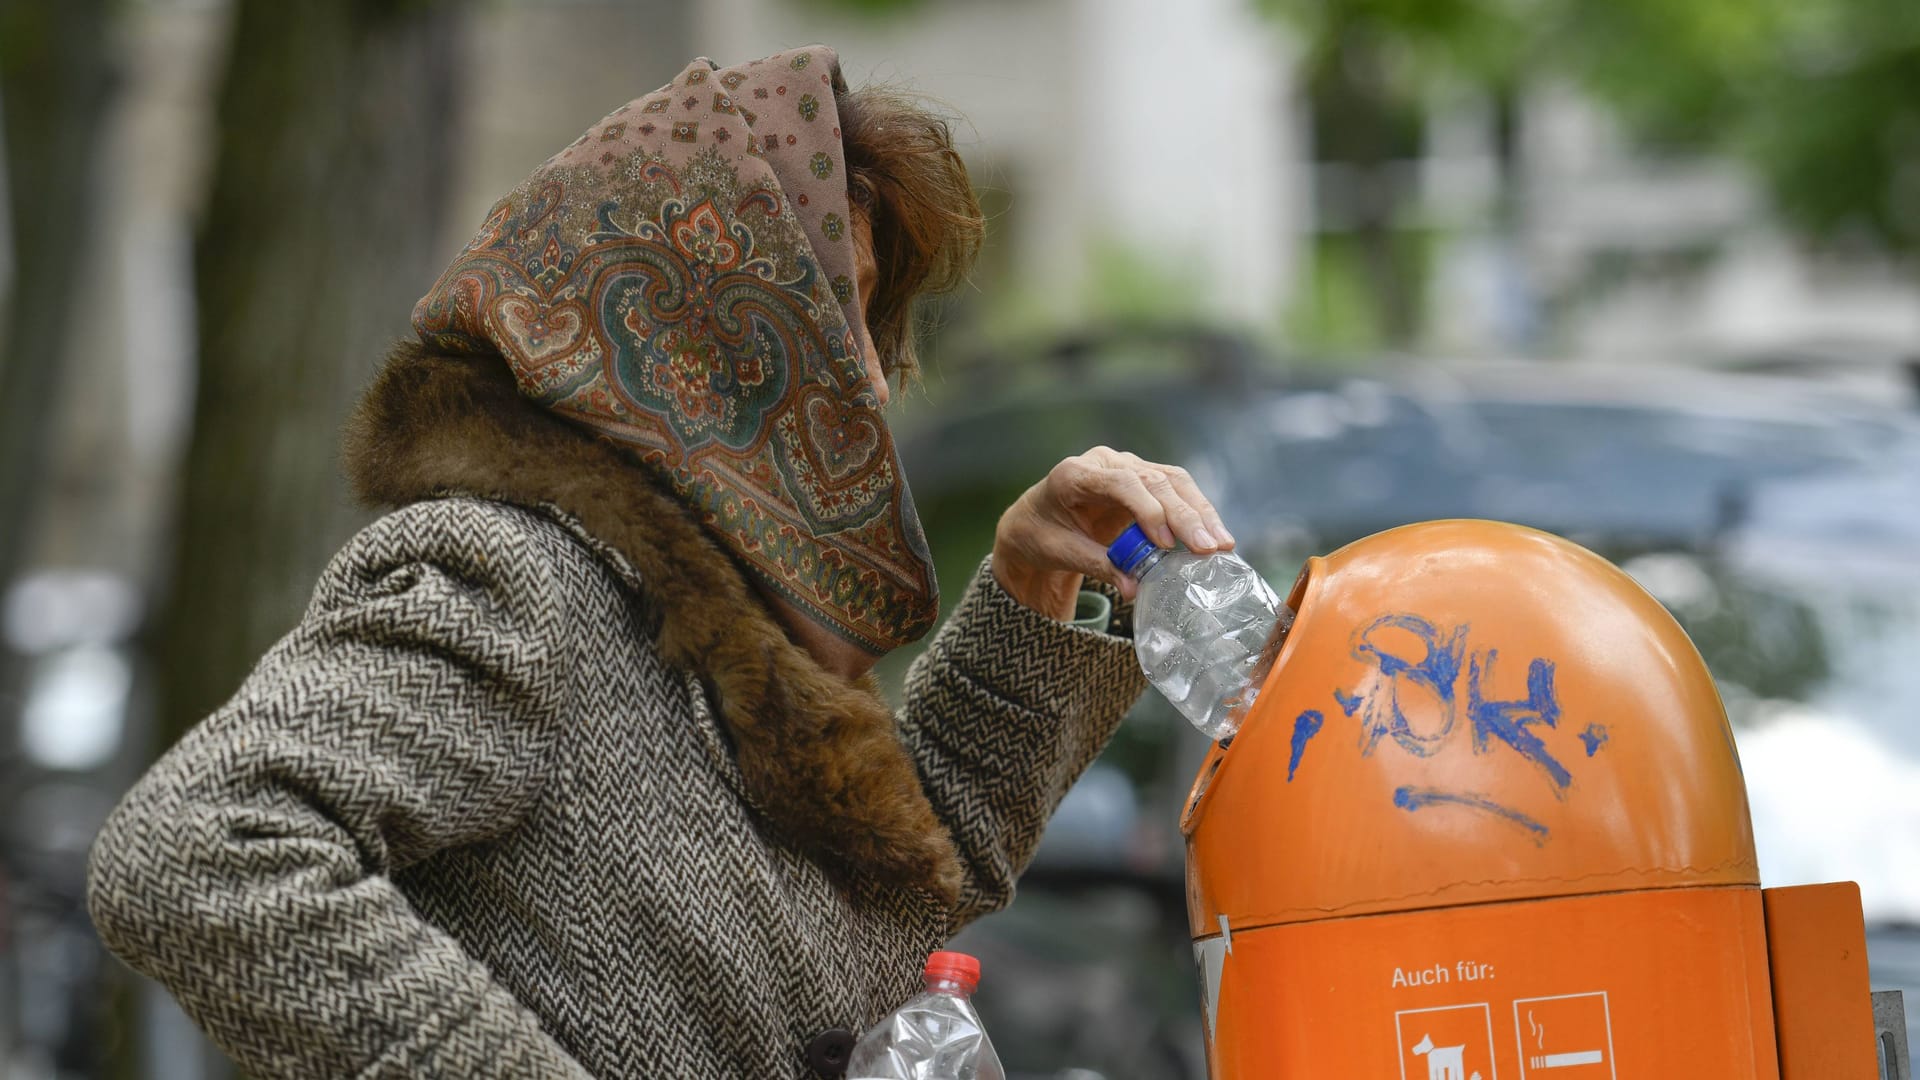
<point x="935" y="1036"/>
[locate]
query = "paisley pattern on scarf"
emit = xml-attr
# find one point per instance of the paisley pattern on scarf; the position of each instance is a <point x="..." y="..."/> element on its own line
<point x="684" y="293"/>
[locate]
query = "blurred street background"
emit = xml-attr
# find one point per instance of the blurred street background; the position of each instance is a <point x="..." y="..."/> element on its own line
<point x="1642" y="272"/>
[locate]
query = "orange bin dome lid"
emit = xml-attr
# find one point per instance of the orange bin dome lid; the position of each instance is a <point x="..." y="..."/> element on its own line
<point x="1467" y="712"/>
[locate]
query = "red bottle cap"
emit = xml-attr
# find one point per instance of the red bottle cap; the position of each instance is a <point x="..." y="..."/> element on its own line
<point x="954" y="966"/>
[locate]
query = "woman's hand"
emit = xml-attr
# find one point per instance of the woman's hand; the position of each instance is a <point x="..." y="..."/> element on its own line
<point x="1058" y="531"/>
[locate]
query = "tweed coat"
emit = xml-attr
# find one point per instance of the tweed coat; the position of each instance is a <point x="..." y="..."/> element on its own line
<point x="537" y="787"/>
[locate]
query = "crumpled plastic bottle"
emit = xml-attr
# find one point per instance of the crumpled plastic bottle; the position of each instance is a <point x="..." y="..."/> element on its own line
<point x="934" y="1036"/>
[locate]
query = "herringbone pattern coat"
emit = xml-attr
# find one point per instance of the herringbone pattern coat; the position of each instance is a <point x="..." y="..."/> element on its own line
<point x="536" y="788"/>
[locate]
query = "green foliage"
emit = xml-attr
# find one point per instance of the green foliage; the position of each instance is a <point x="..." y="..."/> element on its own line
<point x="875" y="8"/>
<point x="1820" y="97"/>
<point x="1124" y="284"/>
<point x="402" y="8"/>
<point x="1128" y="283"/>
<point x="1674" y="69"/>
<point x="1426" y="41"/>
<point x="1334" y="315"/>
<point x="1336" y="319"/>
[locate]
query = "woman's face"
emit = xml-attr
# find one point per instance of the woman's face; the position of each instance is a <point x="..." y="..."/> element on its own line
<point x="867" y="274"/>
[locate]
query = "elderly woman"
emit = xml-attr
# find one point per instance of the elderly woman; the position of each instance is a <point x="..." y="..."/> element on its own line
<point x="574" y="766"/>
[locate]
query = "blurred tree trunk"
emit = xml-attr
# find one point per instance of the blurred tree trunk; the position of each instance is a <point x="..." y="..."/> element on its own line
<point x="1359" y="123"/>
<point x="56" y="80"/>
<point x="59" y="73"/>
<point x="336" y="140"/>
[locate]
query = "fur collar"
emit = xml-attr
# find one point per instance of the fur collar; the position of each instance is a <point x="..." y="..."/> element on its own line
<point x="819" y="756"/>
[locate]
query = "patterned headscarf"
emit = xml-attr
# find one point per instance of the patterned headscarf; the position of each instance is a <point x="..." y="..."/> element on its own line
<point x="681" y="279"/>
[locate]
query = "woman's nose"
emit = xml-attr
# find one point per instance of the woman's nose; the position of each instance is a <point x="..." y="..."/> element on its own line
<point x="877" y="375"/>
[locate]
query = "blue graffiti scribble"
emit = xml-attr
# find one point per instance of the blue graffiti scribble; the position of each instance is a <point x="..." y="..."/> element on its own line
<point x="1305" y="726"/>
<point x="1413" y="798"/>
<point x="1411" y="655"/>
<point x="1595" y="737"/>
<point x="1437" y="670"/>
<point x="1511" y="721"/>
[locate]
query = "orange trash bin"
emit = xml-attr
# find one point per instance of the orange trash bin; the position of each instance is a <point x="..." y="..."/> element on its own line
<point x="1485" y="822"/>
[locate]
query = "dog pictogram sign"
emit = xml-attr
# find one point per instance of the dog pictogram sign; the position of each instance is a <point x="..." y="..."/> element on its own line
<point x="1452" y="1042"/>
<point x="1568" y="1037"/>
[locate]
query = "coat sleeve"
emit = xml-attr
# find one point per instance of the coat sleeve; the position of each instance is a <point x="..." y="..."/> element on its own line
<point x="1002" y="713"/>
<point x="251" y="870"/>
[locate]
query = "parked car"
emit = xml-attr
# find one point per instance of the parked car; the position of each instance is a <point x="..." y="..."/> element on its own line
<point x="1778" y="517"/>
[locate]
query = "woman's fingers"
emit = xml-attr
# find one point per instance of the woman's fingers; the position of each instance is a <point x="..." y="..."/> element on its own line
<point x="1183" y="484"/>
<point x="1190" y="515"/>
<point x="1057" y="533"/>
<point x="1089" y="485"/>
<point x="1186" y="521"/>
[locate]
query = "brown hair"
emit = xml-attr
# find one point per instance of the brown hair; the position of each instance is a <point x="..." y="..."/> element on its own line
<point x="906" y="177"/>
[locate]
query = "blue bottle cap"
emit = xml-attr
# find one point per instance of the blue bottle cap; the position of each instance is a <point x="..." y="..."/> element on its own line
<point x="1130" y="549"/>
